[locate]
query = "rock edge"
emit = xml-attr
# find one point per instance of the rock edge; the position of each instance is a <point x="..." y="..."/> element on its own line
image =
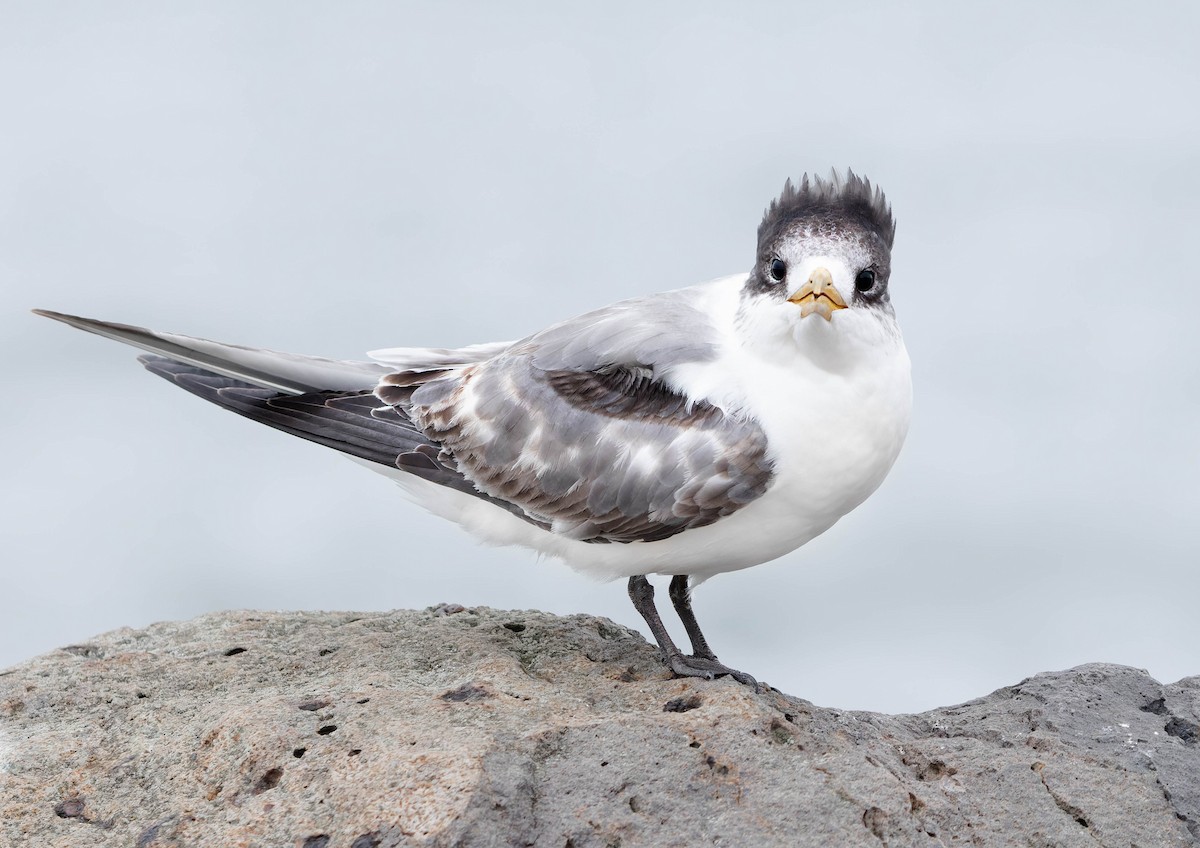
<point x="496" y="728"/>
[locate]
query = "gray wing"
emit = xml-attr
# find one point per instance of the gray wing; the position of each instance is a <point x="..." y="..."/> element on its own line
<point x="576" y="427"/>
<point x="653" y="332"/>
<point x="572" y="429"/>
<point x="422" y="359"/>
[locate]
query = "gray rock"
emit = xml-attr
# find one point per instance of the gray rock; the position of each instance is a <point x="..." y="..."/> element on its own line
<point x="488" y="728"/>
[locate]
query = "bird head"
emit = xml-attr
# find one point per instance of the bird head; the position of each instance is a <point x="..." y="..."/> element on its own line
<point x="823" y="262"/>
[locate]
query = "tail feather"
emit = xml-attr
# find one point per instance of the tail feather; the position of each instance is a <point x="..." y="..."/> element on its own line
<point x="290" y="373"/>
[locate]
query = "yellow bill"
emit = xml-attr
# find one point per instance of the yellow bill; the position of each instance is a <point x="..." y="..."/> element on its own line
<point x="818" y="295"/>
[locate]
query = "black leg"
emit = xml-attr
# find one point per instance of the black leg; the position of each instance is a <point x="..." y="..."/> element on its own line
<point x="681" y="599"/>
<point x="642" y="595"/>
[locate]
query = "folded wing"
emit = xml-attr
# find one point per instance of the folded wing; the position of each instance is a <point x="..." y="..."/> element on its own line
<point x="578" y="427"/>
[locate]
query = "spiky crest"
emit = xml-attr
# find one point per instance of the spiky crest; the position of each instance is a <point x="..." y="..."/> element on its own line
<point x="850" y="195"/>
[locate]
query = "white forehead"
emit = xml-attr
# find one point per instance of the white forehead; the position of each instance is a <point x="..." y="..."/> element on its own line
<point x="806" y="244"/>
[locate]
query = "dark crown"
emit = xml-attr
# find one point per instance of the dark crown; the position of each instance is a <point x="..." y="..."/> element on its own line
<point x="851" y="196"/>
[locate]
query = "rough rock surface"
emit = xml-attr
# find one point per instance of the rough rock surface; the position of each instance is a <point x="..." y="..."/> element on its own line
<point x="490" y="728"/>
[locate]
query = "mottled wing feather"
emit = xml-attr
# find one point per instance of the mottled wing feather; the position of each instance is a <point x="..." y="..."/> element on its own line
<point x="623" y="392"/>
<point x="575" y="427"/>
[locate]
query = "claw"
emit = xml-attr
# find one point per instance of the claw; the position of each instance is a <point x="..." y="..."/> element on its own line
<point x="708" y="669"/>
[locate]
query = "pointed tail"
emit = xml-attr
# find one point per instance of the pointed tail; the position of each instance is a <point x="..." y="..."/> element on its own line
<point x="289" y="373"/>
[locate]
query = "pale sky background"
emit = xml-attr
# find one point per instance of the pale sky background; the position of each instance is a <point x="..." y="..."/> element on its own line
<point x="334" y="178"/>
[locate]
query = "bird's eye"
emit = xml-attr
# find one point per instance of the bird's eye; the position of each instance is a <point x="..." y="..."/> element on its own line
<point x="778" y="270"/>
<point x="865" y="281"/>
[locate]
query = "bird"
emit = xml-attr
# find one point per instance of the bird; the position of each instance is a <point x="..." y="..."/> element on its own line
<point x="687" y="433"/>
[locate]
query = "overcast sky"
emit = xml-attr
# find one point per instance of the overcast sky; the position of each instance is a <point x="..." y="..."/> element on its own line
<point x="335" y="178"/>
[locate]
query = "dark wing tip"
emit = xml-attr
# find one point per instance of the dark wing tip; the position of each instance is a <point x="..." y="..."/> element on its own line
<point x="94" y="325"/>
<point x="57" y="316"/>
<point x="73" y="320"/>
